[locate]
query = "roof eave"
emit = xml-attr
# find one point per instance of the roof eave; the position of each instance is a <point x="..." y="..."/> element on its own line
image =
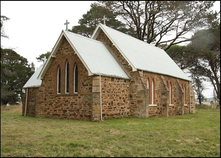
<point x="165" y="75"/>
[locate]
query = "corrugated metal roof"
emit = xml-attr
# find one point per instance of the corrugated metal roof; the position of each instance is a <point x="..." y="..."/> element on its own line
<point x="141" y="55"/>
<point x="33" y="81"/>
<point x="95" y="55"/>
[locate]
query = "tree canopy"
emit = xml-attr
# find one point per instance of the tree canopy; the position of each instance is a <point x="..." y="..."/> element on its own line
<point x="42" y="56"/>
<point x="207" y="50"/>
<point x="202" y="58"/>
<point x="163" y="22"/>
<point x="94" y="16"/>
<point x="3" y="18"/>
<point x="15" y="72"/>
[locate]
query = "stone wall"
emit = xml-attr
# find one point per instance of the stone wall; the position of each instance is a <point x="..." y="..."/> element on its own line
<point x="161" y="105"/>
<point x="66" y="105"/>
<point x="138" y="106"/>
<point x="32" y="101"/>
<point x="139" y="91"/>
<point x="115" y="97"/>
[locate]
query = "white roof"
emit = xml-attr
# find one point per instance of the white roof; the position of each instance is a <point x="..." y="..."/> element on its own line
<point x="93" y="54"/>
<point x="141" y="55"/>
<point x="33" y="81"/>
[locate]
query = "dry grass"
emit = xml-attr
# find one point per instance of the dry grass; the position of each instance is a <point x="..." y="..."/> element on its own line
<point x="191" y="135"/>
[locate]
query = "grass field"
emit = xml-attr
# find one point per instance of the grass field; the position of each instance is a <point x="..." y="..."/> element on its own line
<point x="190" y="135"/>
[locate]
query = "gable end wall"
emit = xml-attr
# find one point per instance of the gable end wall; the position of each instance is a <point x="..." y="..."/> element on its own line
<point x="72" y="106"/>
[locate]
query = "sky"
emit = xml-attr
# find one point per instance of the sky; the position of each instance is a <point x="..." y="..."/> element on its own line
<point x="35" y="26"/>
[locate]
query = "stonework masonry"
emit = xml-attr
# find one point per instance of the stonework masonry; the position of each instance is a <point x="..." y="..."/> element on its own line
<point x="102" y="97"/>
<point x="139" y="92"/>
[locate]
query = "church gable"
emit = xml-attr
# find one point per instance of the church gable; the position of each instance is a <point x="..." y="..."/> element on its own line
<point x="62" y="67"/>
<point x="93" y="54"/>
<point x="66" y="93"/>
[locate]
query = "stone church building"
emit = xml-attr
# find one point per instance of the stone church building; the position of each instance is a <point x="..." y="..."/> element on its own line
<point x="109" y="75"/>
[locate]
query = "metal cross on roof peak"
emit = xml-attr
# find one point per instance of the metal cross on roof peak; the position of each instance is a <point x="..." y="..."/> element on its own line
<point x="104" y="18"/>
<point x="66" y="25"/>
<point x="44" y="59"/>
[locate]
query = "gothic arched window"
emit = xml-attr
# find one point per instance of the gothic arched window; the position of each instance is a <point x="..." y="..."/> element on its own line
<point x="149" y="87"/>
<point x="152" y="92"/>
<point x="67" y="77"/>
<point x="59" y="80"/>
<point x="170" y="93"/>
<point x="75" y="79"/>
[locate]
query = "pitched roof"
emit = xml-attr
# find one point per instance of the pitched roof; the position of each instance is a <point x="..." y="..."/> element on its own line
<point x="93" y="54"/>
<point x="141" y="55"/>
<point x="33" y="81"/>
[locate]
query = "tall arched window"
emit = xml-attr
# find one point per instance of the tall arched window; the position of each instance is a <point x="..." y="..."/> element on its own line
<point x="75" y="79"/>
<point x="184" y="90"/>
<point x="170" y="93"/>
<point x="149" y="87"/>
<point x="152" y="92"/>
<point x="59" y="80"/>
<point x="67" y="77"/>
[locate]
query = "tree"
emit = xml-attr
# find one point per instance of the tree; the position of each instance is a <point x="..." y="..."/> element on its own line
<point x="42" y="56"/>
<point x="15" y="72"/>
<point x="189" y="61"/>
<point x="197" y="80"/>
<point x="3" y="18"/>
<point x="163" y="22"/>
<point x="181" y="55"/>
<point x="94" y="16"/>
<point x="202" y="58"/>
<point x="208" y="51"/>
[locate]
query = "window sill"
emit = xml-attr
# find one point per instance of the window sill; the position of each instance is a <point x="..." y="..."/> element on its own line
<point x="66" y="94"/>
<point x="185" y="105"/>
<point x="152" y="104"/>
<point x="171" y="104"/>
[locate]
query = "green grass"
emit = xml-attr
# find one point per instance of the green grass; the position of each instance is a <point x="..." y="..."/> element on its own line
<point x="190" y="135"/>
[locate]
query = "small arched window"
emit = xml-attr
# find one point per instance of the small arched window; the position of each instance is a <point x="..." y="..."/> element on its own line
<point x="67" y="77"/>
<point x="59" y="80"/>
<point x="75" y="79"/>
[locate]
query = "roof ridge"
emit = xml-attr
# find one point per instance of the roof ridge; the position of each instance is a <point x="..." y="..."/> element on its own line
<point x="81" y="36"/>
<point x="102" y="25"/>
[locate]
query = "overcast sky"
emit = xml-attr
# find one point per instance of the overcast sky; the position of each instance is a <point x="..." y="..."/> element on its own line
<point x="35" y="26"/>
